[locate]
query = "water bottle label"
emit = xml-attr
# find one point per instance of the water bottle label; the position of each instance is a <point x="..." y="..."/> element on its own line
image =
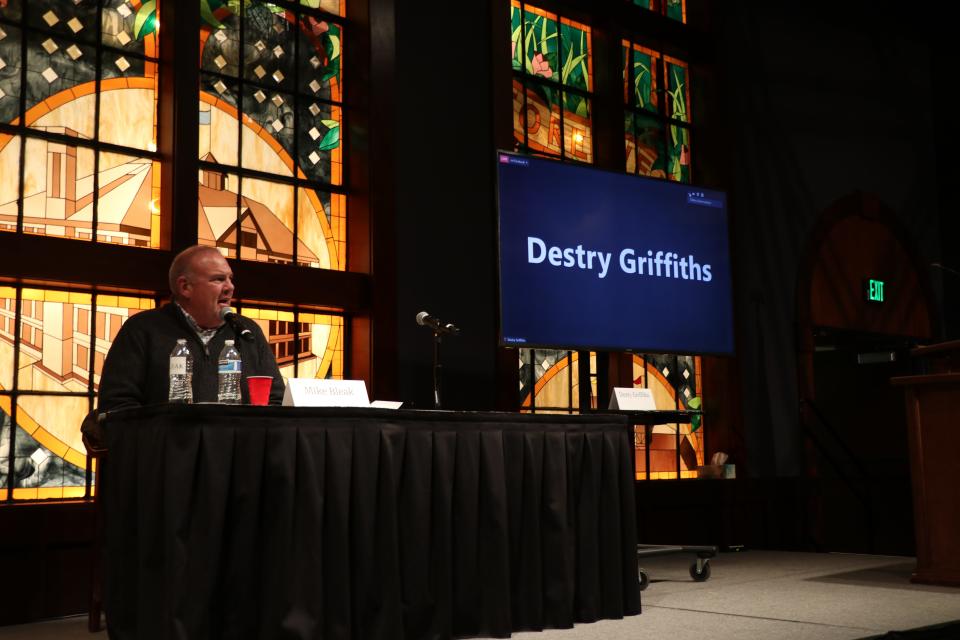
<point x="229" y="366"/>
<point x="178" y="365"/>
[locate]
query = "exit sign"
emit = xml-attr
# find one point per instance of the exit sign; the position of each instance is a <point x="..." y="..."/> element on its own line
<point x="875" y="290"/>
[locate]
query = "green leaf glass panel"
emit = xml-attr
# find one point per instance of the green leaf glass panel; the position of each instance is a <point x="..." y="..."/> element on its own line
<point x="675" y="10"/>
<point x="575" y="55"/>
<point x="318" y="69"/>
<point x="516" y="37"/>
<point x="678" y="151"/>
<point x="540" y="43"/>
<point x="650" y="153"/>
<point x="644" y="81"/>
<point x="130" y="30"/>
<point x="677" y="101"/>
<point x="318" y="138"/>
<point x="646" y="4"/>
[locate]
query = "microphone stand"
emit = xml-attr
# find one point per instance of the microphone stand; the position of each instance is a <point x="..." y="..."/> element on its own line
<point x="437" y="370"/>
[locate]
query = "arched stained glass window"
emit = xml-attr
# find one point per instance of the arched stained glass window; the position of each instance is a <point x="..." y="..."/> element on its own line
<point x="271" y="116"/>
<point x="78" y="120"/>
<point x="656" y="91"/>
<point x="52" y="347"/>
<point x="552" y="83"/>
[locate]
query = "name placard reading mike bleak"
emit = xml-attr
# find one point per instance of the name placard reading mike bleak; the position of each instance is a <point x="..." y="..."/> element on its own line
<point x="310" y="392"/>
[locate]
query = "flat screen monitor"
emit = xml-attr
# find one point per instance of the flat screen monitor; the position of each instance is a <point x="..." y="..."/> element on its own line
<point x="593" y="259"/>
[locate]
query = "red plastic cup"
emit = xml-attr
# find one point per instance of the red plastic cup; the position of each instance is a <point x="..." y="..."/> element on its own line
<point x="259" y="387"/>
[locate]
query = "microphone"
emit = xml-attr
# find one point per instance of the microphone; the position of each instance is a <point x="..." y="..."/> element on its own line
<point x="424" y="319"/>
<point x="228" y="315"/>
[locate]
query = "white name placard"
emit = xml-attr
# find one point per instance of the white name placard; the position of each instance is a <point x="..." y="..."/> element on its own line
<point x="630" y="399"/>
<point x="385" y="404"/>
<point x="310" y="392"/>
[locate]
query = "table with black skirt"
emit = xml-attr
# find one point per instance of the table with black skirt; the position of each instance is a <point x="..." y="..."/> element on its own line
<point x="280" y="522"/>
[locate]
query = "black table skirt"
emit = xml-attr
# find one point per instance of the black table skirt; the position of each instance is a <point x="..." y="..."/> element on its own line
<point x="270" y="522"/>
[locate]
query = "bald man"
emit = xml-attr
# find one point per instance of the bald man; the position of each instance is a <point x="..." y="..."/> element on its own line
<point x="137" y="369"/>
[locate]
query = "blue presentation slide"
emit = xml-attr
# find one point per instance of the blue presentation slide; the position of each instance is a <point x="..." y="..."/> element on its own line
<point x="603" y="260"/>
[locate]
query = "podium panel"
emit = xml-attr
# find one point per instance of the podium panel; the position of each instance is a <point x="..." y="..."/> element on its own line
<point x="933" y="402"/>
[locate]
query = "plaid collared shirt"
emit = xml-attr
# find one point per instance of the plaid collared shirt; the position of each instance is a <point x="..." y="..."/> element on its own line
<point x="203" y="334"/>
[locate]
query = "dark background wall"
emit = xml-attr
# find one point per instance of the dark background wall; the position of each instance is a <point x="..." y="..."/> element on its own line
<point x="446" y="223"/>
<point x="799" y="107"/>
<point x="820" y="103"/>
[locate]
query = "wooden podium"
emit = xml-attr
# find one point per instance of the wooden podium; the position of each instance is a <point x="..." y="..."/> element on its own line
<point x="933" y="424"/>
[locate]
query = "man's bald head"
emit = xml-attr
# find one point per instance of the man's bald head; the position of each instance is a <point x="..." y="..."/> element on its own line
<point x="182" y="265"/>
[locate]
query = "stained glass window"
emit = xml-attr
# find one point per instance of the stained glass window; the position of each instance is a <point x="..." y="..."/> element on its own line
<point x="669" y="450"/>
<point x="271" y="118"/>
<point x="52" y="348"/>
<point x="306" y="343"/>
<point x="656" y="91"/>
<point x="550" y="380"/>
<point x="88" y="81"/>
<point x="552" y="84"/>
<point x="673" y="9"/>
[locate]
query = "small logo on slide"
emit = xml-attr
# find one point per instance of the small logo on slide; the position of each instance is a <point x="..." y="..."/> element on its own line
<point x="508" y="159"/>
<point x="700" y="198"/>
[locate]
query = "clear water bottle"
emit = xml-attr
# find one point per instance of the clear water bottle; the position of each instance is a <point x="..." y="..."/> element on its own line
<point x="230" y="369"/>
<point x="181" y="373"/>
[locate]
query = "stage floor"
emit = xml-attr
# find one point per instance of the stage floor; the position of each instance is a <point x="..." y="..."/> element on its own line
<point x="750" y="595"/>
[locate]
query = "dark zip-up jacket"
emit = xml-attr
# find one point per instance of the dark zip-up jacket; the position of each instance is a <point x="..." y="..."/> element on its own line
<point x="137" y="369"/>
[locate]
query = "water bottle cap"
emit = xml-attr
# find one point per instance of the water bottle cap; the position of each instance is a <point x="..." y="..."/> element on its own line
<point x="228" y="343"/>
<point x="181" y="340"/>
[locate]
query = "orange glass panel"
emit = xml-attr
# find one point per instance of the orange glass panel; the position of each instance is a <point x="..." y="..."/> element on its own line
<point x="128" y="200"/>
<point x="266" y="222"/>
<point x="219" y="128"/>
<point x="306" y="344"/>
<point x="217" y="215"/>
<point x="7" y="336"/>
<point x="322" y="229"/>
<point x="49" y="337"/>
<point x="9" y="181"/>
<point x="112" y="312"/>
<point x="57" y="189"/>
<point x="128" y="111"/>
<point x="50" y="459"/>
